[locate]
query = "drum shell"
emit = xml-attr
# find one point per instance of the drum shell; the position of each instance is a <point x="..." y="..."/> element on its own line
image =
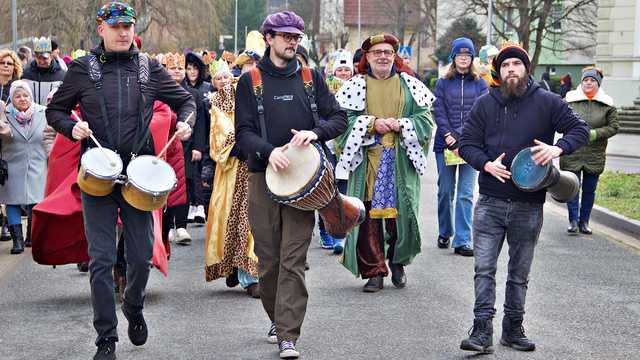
<point x="141" y="199"/>
<point x="92" y="185"/>
<point x="137" y="190"/>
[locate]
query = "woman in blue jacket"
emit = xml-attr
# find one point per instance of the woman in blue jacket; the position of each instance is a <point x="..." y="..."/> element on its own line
<point x="456" y="92"/>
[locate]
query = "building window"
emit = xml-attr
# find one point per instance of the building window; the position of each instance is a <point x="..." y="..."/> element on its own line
<point x="557" y="11"/>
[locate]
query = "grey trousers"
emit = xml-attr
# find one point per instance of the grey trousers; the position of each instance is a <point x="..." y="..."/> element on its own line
<point x="493" y="220"/>
<point x="100" y="218"/>
<point x="282" y="235"/>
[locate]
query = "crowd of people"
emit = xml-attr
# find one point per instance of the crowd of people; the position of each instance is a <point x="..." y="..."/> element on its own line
<point x="239" y="115"/>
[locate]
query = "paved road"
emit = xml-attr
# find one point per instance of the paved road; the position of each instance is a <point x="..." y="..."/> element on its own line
<point x="584" y="303"/>
<point x="623" y="155"/>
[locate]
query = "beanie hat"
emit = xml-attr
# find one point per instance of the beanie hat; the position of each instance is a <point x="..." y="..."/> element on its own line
<point x="509" y="50"/>
<point x="461" y="46"/>
<point x="593" y="73"/>
<point x="342" y="58"/>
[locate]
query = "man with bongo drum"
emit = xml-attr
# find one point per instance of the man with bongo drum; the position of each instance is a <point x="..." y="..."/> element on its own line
<point x="116" y="87"/>
<point x="515" y="115"/>
<point x="382" y="154"/>
<point x="278" y="106"/>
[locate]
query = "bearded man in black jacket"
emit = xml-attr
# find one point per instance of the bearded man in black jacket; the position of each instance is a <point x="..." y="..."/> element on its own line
<point x="282" y="233"/>
<point x="514" y="116"/>
<point x="116" y="87"/>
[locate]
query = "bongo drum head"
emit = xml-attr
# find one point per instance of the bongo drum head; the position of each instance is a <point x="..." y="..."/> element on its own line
<point x="304" y="162"/>
<point x="96" y="163"/>
<point x="526" y="174"/>
<point x="152" y="175"/>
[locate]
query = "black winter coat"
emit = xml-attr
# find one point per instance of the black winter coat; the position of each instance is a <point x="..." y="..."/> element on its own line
<point x="42" y="81"/>
<point x="499" y="125"/>
<point x="122" y="96"/>
<point x="286" y="107"/>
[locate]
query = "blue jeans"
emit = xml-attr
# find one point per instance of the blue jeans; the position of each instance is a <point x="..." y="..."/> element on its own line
<point x="14" y="213"/>
<point x="463" y="194"/>
<point x="583" y="209"/>
<point x="493" y="220"/>
<point x="246" y="279"/>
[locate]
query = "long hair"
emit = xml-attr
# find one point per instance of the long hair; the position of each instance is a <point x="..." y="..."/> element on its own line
<point x="17" y="64"/>
<point x="453" y="71"/>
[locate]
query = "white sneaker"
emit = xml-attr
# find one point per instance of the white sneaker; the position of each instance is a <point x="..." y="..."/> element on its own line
<point x="172" y="235"/>
<point x="272" y="336"/>
<point x="182" y="237"/>
<point x="288" y="350"/>
<point x="192" y="213"/>
<point x="199" y="215"/>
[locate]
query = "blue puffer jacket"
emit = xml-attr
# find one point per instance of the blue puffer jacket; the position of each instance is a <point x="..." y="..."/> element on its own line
<point x="454" y="99"/>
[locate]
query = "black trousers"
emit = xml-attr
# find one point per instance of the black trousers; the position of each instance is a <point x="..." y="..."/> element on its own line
<point x="100" y="218"/>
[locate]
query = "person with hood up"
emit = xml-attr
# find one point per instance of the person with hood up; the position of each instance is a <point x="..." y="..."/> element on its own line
<point x="514" y="116"/>
<point x="44" y="73"/>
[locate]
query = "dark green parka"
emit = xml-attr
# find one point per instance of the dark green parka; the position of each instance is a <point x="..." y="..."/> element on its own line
<point x="602" y="118"/>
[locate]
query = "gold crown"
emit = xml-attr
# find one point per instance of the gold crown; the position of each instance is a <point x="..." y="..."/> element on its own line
<point x="172" y="60"/>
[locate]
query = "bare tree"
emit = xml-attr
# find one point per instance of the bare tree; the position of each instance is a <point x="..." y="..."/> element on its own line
<point x="557" y="26"/>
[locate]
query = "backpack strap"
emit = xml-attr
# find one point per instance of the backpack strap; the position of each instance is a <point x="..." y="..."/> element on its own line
<point x="309" y="88"/>
<point x="258" y="89"/>
<point x="95" y="74"/>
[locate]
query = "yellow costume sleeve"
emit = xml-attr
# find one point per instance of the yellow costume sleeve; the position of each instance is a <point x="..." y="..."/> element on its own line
<point x="222" y="135"/>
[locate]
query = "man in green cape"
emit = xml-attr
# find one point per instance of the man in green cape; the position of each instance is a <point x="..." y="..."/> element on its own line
<point x="382" y="154"/>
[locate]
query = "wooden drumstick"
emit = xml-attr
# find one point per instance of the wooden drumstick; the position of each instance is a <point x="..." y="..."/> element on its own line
<point x="110" y="160"/>
<point x="164" y="149"/>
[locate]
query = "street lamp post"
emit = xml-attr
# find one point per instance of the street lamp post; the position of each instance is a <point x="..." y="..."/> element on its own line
<point x="235" y="34"/>
<point x="14" y="25"/>
<point x="489" y="21"/>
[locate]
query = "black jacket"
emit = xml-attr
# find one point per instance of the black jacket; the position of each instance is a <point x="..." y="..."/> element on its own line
<point x="286" y="107"/>
<point x="42" y="81"/>
<point x="499" y="125"/>
<point x="122" y="96"/>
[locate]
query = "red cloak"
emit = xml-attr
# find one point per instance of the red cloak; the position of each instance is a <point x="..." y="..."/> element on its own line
<point x="57" y="226"/>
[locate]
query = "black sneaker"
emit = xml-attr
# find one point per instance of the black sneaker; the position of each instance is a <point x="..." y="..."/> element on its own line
<point x="584" y="228"/>
<point x="443" y="242"/>
<point x="480" y="337"/>
<point x="374" y="284"/>
<point x="463" y="250"/>
<point x="272" y="336"/>
<point x="513" y="336"/>
<point x="288" y="350"/>
<point x="106" y="350"/>
<point x="137" y="329"/>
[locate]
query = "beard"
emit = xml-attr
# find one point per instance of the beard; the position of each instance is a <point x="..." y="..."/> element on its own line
<point x="514" y="89"/>
<point x="286" y="55"/>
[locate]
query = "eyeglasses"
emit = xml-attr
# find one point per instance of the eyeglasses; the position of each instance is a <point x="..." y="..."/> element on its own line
<point x="7" y="63"/>
<point x="290" y="37"/>
<point x="378" y="53"/>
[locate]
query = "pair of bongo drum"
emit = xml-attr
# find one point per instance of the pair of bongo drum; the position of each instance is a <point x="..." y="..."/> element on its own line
<point x="146" y="185"/>
<point x="308" y="184"/>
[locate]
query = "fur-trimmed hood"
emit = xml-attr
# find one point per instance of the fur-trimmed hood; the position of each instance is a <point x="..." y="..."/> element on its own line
<point x="579" y="95"/>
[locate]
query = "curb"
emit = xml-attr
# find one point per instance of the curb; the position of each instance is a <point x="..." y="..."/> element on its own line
<point x="616" y="221"/>
<point x="616" y="226"/>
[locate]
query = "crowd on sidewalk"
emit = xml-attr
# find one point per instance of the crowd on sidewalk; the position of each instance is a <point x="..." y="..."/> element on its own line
<point x="239" y="116"/>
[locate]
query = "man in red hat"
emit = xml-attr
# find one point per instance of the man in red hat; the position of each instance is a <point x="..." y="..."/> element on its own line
<point x="274" y="93"/>
<point x="382" y="154"/>
<point x="514" y="116"/>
